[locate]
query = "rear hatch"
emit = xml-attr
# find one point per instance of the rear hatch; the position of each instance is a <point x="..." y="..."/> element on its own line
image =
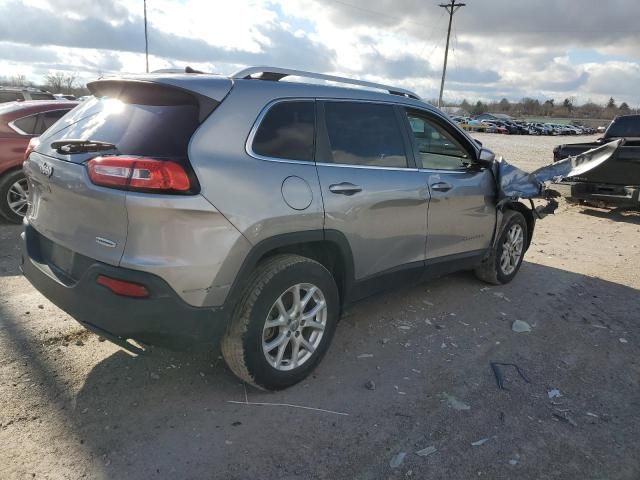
<point x="135" y="119"/>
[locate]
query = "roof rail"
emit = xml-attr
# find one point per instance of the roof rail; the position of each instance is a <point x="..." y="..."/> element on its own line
<point x="275" y="74"/>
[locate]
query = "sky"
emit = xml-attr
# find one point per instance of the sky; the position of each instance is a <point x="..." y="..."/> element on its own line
<point x="587" y="50"/>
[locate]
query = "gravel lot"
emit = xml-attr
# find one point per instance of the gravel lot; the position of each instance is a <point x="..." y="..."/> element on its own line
<point x="72" y="406"/>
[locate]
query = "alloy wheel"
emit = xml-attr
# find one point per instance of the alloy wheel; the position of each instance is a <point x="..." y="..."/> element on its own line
<point x="294" y="327"/>
<point x="17" y="197"/>
<point x="512" y="248"/>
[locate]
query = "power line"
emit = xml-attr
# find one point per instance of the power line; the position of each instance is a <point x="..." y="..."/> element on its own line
<point x="452" y="8"/>
<point x="425" y="43"/>
<point x="146" y="38"/>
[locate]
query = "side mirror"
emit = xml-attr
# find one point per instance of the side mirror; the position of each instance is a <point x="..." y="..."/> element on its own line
<point x="486" y="156"/>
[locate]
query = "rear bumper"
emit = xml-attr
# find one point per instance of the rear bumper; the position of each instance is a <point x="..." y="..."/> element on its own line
<point x="613" y="195"/>
<point x="162" y="319"/>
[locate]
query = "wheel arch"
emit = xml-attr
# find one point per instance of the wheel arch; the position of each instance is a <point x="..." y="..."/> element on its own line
<point x="528" y="215"/>
<point x="11" y="169"/>
<point x="328" y="247"/>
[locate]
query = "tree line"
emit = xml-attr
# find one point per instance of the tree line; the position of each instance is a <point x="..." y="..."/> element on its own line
<point x="549" y="108"/>
<point x="54" y="82"/>
<point x="59" y="82"/>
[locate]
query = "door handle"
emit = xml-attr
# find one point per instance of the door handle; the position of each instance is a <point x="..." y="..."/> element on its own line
<point x="345" y="188"/>
<point x="441" y="187"/>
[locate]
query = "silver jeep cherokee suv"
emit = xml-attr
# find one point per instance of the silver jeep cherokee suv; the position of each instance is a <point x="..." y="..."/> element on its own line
<point x="187" y="210"/>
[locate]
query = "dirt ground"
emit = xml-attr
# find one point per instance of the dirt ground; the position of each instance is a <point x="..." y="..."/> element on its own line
<point x="72" y="406"/>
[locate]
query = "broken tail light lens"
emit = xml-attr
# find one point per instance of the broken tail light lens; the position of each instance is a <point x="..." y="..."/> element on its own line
<point x="122" y="287"/>
<point x="138" y="173"/>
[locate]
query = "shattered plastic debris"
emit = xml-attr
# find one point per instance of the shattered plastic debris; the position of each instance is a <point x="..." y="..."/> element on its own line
<point x="497" y="372"/>
<point x="520" y="326"/>
<point x="502" y="296"/>
<point x="565" y="418"/>
<point x="425" y="452"/>
<point x="397" y="460"/>
<point x="454" y="403"/>
<point x="554" y="393"/>
<point x="480" y="442"/>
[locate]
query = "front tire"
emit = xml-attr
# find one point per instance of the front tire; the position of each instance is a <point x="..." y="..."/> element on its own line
<point x="284" y="323"/>
<point x="505" y="259"/>
<point x="14" y="190"/>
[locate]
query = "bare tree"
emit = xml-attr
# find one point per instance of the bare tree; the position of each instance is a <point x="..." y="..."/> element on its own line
<point x="70" y="82"/>
<point x="55" y="81"/>
<point x="18" y="81"/>
<point x="568" y="104"/>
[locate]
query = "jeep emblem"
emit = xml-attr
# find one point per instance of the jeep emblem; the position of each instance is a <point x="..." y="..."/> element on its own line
<point x="46" y="169"/>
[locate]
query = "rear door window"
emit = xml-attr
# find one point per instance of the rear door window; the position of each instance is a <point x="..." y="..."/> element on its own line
<point x="47" y="119"/>
<point x="287" y="131"/>
<point x="365" y="134"/>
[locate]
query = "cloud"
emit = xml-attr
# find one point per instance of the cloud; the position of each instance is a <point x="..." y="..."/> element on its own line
<point x="25" y="53"/>
<point x="31" y="26"/>
<point x="499" y="48"/>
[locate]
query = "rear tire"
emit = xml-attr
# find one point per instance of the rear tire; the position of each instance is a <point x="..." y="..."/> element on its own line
<point x="506" y="256"/>
<point x="275" y="339"/>
<point x="13" y="188"/>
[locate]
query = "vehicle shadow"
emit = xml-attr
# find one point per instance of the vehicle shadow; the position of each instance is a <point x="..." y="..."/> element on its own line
<point x="626" y="215"/>
<point x="9" y="247"/>
<point x="167" y="415"/>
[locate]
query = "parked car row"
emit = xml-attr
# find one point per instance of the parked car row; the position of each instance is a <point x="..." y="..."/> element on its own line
<point x="13" y="94"/>
<point x="520" y="127"/>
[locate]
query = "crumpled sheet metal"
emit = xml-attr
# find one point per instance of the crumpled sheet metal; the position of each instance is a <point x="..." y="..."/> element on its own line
<point x="515" y="183"/>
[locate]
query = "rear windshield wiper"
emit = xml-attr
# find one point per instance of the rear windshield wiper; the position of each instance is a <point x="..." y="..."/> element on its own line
<point x="68" y="147"/>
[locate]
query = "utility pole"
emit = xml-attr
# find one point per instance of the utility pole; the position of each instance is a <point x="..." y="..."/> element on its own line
<point x="146" y="39"/>
<point x="452" y="8"/>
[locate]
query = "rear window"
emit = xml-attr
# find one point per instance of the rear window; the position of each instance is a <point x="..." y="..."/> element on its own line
<point x="135" y="128"/>
<point x="287" y="131"/>
<point x="625" y="127"/>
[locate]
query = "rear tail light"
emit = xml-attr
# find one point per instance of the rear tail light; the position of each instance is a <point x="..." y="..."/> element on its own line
<point x="122" y="287"/>
<point x="138" y="173"/>
<point x="33" y="143"/>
